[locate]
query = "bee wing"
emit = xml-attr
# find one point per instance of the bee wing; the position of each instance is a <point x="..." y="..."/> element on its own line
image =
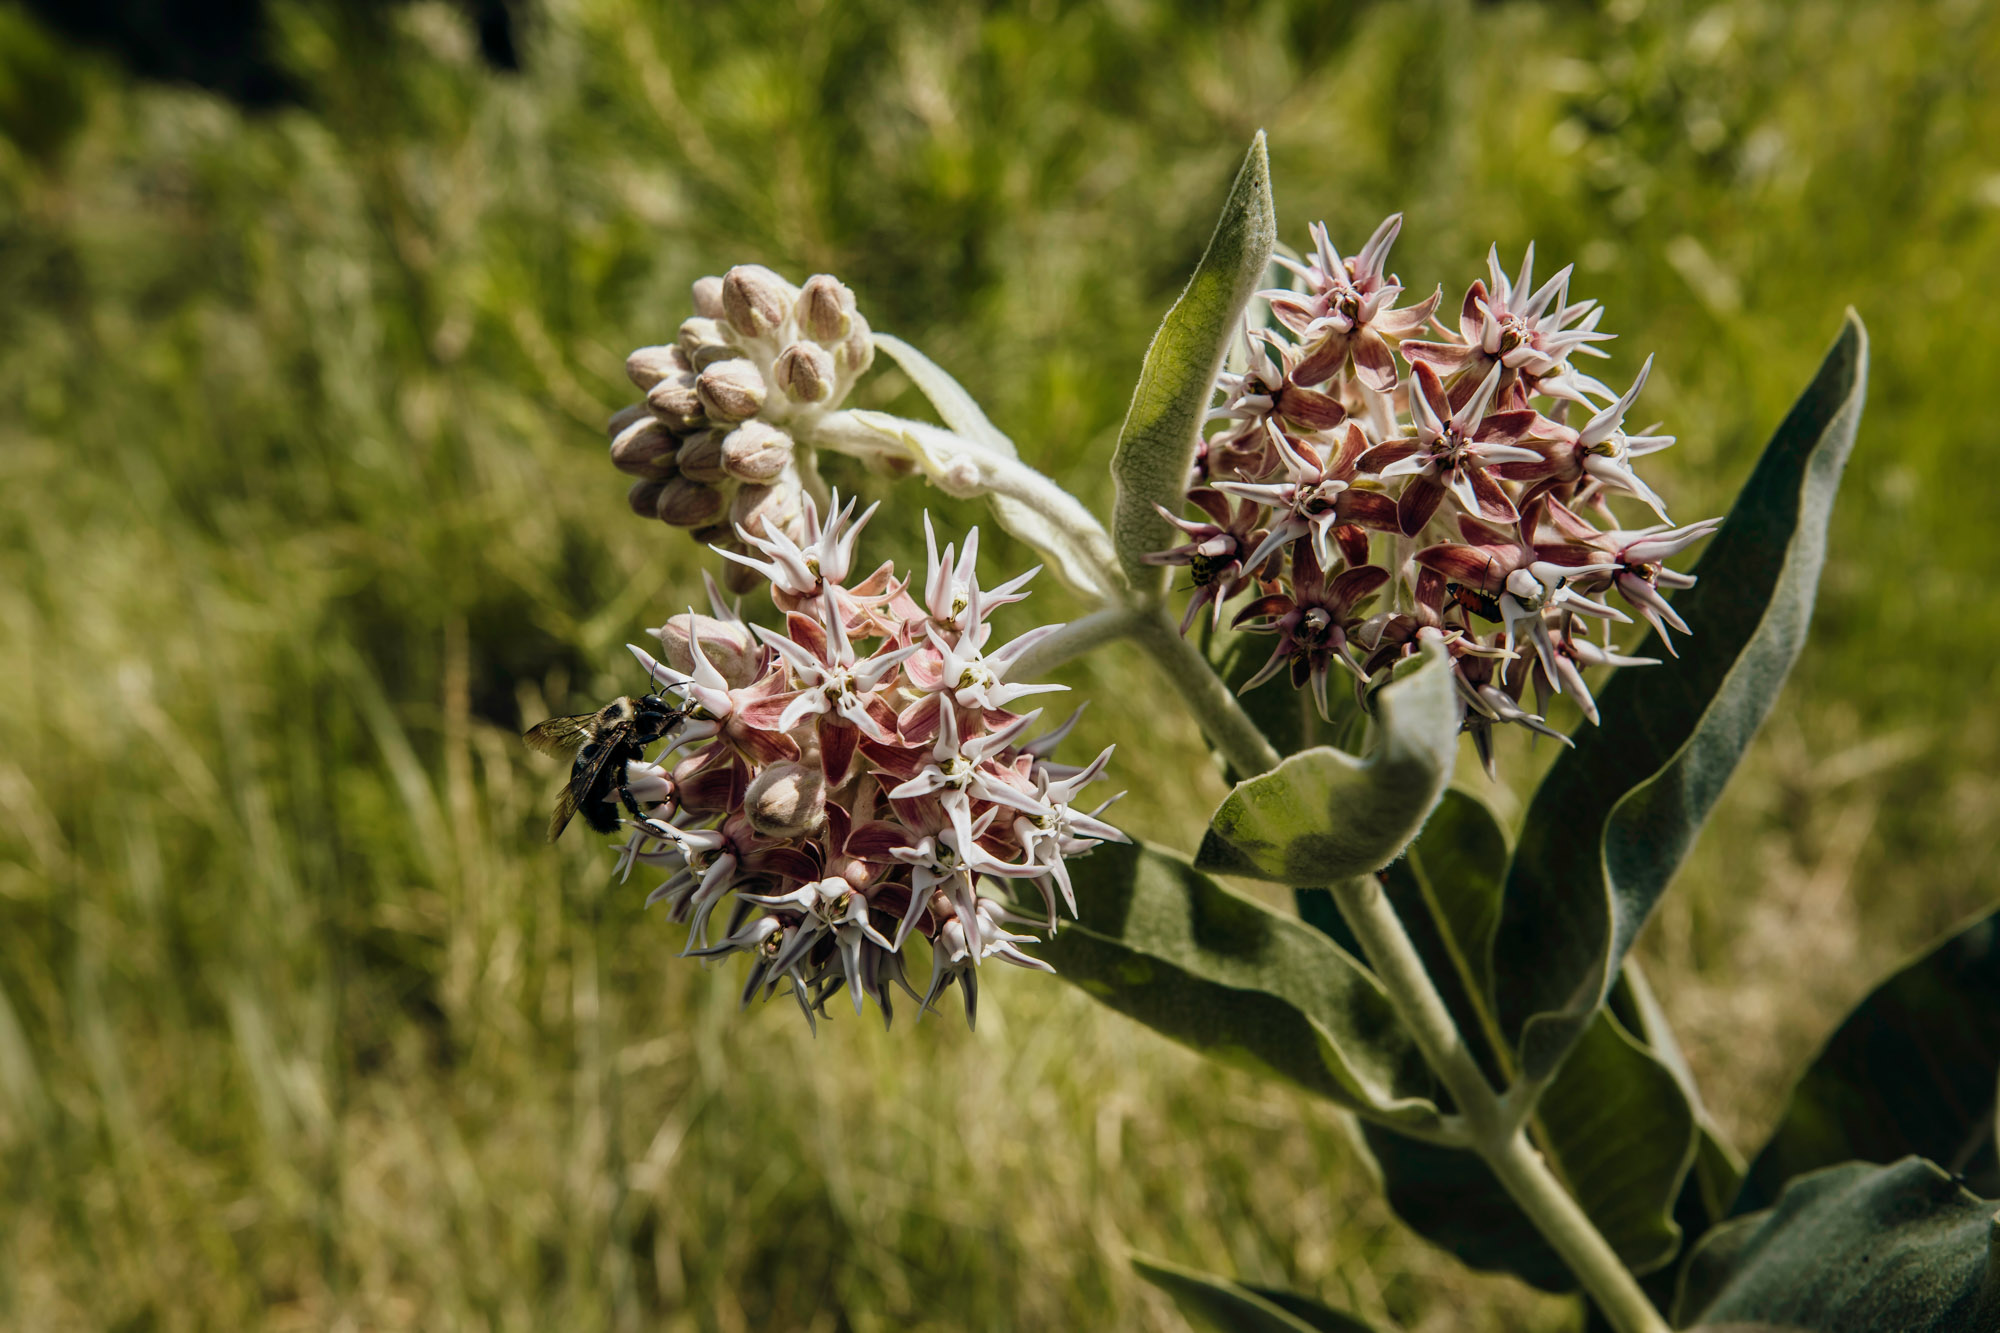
<point x="565" y="808"/>
<point x="560" y="735"/>
<point x="588" y="779"/>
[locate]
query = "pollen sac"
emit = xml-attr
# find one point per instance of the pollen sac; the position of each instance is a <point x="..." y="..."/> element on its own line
<point x="731" y="390"/>
<point x="755" y="300"/>
<point x="826" y="310"/>
<point x="804" y="372"/>
<point x="649" y="365"/>
<point x="786" y="800"/>
<point x="756" y="452"/>
<point x="646" y="448"/>
<point x="685" y="503"/>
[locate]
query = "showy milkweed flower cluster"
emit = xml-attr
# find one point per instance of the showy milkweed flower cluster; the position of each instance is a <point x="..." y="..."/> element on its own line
<point x="1467" y="470"/>
<point x="849" y="783"/>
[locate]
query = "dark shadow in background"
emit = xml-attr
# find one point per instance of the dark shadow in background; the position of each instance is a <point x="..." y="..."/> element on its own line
<point x="224" y="46"/>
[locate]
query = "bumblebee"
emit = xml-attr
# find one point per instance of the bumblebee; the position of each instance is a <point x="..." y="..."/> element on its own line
<point x="604" y="742"/>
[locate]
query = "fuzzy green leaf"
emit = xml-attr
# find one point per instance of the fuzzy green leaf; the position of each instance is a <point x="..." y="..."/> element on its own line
<point x="1237" y="1307"/>
<point x="1912" y="1070"/>
<point x="1323" y="816"/>
<point x="1176" y="383"/>
<point x="1613" y="819"/>
<point x="1852" y="1249"/>
<point x="1161" y="942"/>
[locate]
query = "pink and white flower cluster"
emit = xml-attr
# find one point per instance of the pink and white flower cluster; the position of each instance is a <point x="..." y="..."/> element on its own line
<point x="849" y="783"/>
<point x="1471" y="474"/>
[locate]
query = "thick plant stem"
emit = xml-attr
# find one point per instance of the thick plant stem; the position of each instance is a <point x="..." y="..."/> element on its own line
<point x="1227" y="726"/>
<point x="1495" y="1135"/>
<point x="1075" y="639"/>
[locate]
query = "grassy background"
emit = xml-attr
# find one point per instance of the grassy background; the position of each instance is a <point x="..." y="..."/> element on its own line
<point x="302" y="1026"/>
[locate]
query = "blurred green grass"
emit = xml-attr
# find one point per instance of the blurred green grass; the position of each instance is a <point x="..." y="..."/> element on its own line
<point x="301" y="1025"/>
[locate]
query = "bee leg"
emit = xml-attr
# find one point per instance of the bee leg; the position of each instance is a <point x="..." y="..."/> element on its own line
<point x="625" y="795"/>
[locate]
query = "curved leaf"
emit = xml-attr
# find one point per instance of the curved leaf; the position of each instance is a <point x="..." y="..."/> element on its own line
<point x="1852" y="1249"/>
<point x="1156" y="445"/>
<point x="957" y="408"/>
<point x="1160" y="942"/>
<point x="1237" y="1307"/>
<point x="1323" y="816"/>
<point x="1614" y="1126"/>
<point x="1912" y="1070"/>
<point x="962" y="414"/>
<point x="1613" y="819"/>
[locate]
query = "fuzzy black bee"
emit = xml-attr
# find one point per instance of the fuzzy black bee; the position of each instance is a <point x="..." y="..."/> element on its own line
<point x="604" y="741"/>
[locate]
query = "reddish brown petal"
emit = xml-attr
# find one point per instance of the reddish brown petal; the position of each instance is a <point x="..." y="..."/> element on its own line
<point x="1505" y="427"/>
<point x="1294" y="315"/>
<point x="1419" y="500"/>
<point x="836" y="750"/>
<point x="1479" y="534"/>
<point x="1462" y="564"/>
<point x="1264" y="607"/>
<point x="900" y="762"/>
<point x="919" y="722"/>
<point x="1444" y="358"/>
<point x="715" y="787"/>
<point x="1352" y="587"/>
<point x="1310" y="408"/>
<point x="1211" y="502"/>
<point x="877" y="839"/>
<point x="1370" y="509"/>
<point x="1471" y="320"/>
<point x="807" y="633"/>
<point x="764" y="712"/>
<point x="1353" y="444"/>
<point x="1374" y="363"/>
<point x="789" y="862"/>
<point x="1404" y="322"/>
<point x="1353" y="543"/>
<point x="1323" y="358"/>
<point x="764" y="747"/>
<point x="1493" y="501"/>
<point x="1394" y="451"/>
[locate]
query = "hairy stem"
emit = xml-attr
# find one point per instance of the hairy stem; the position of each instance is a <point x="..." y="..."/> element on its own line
<point x="1074" y="640"/>
<point x="1227" y="726"/>
<point x="1494" y="1131"/>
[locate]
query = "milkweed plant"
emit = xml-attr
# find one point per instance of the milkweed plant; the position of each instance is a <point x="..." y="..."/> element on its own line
<point x="1353" y="519"/>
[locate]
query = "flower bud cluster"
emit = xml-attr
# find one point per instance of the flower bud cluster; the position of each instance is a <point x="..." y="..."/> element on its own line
<point x="715" y="446"/>
<point x="845" y="786"/>
<point x="1469" y="475"/>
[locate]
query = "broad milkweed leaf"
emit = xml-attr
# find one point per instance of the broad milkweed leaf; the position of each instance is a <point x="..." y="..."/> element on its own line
<point x="1851" y="1249"/>
<point x="1911" y="1070"/>
<point x="1323" y="816"/>
<point x="1237" y="1307"/>
<point x="1163" y="943"/>
<point x="1157" y="443"/>
<point x="1614" y="817"/>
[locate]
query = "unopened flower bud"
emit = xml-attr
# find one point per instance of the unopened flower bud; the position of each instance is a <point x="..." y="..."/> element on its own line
<point x="755" y="300"/>
<point x="858" y="352"/>
<point x="708" y="297"/>
<point x="706" y="341"/>
<point x="756" y="451"/>
<point x="689" y="504"/>
<point x="757" y="507"/>
<point x="727" y="644"/>
<point x="804" y="372"/>
<point x="826" y="309"/>
<point x="624" y="417"/>
<point x="675" y="401"/>
<point x="785" y="800"/>
<point x="649" y="365"/>
<point x="644" y="497"/>
<point x="731" y="390"/>
<point x="646" y="448"/>
<point x="700" y="458"/>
